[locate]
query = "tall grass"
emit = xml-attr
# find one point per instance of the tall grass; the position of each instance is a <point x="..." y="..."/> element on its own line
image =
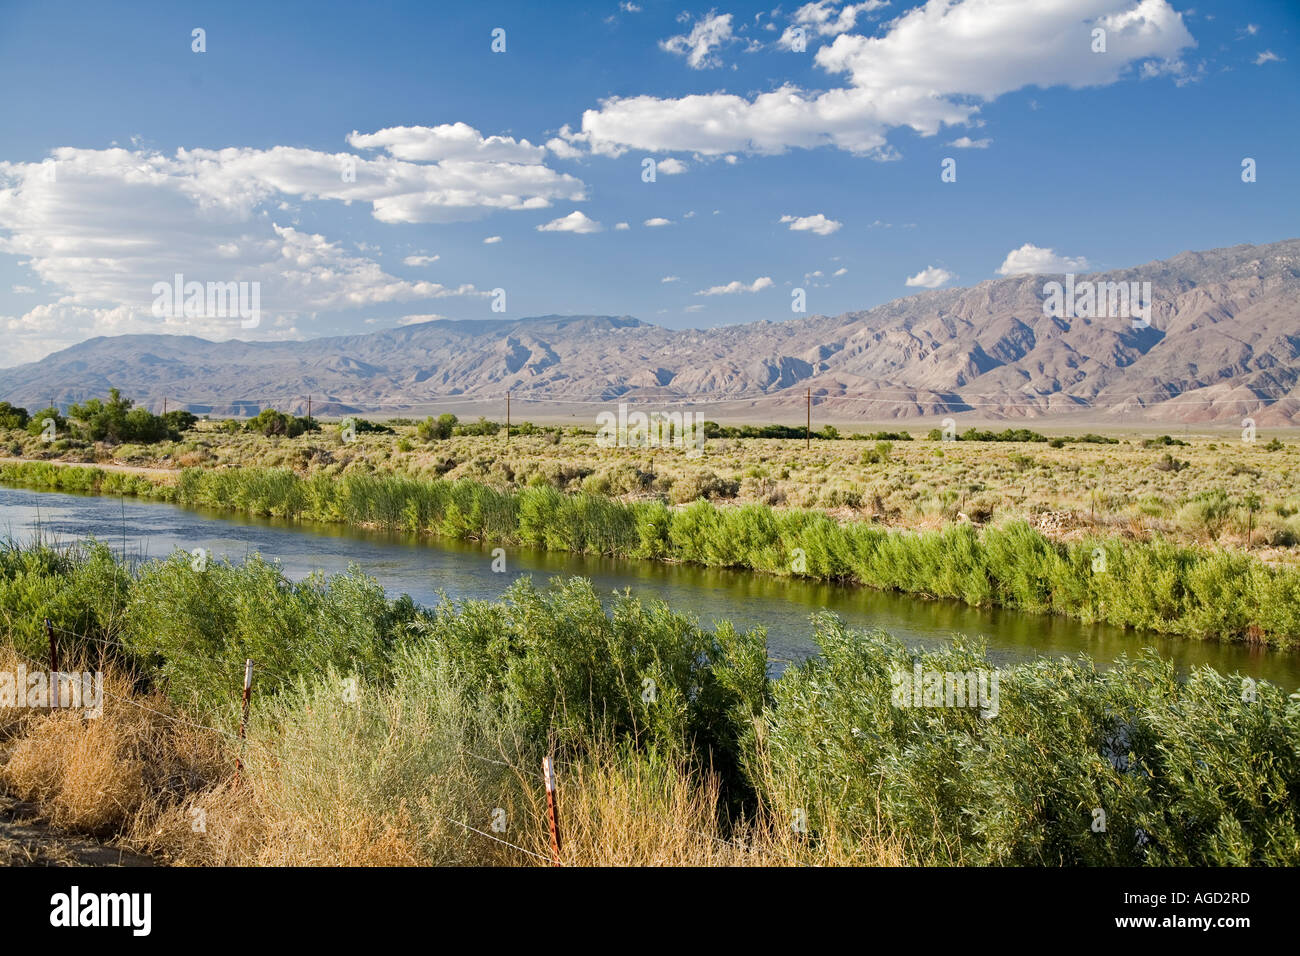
<point x="1195" y="592"/>
<point x="387" y="733"/>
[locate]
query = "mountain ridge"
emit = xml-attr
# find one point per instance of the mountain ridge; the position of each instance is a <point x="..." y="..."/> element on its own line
<point x="1223" y="343"/>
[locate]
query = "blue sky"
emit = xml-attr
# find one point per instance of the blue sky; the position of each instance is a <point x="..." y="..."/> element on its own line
<point x="127" y="156"/>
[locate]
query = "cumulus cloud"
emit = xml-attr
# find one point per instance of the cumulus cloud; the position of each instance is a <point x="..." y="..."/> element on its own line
<point x="932" y="68"/>
<point x="930" y="278"/>
<point x="491" y="240"/>
<point x="456" y="141"/>
<point x="731" y="288"/>
<point x="707" y="35"/>
<point x="671" y="166"/>
<point x="1031" y="259"/>
<point x="823" y="19"/>
<point x="562" y="148"/>
<point x="965" y="142"/>
<point x="420" y="260"/>
<point x="101" y="227"/>
<point x="576" y="221"/>
<point x="818" y="224"/>
<point x="657" y="221"/>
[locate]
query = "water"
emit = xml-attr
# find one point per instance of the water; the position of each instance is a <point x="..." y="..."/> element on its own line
<point x="425" y="568"/>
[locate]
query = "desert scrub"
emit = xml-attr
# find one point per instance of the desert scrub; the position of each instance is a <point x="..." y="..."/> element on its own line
<point x="1164" y="759"/>
<point x="661" y="728"/>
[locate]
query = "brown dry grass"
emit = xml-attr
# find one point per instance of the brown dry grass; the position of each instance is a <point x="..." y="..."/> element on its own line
<point x="105" y="775"/>
<point x="144" y="778"/>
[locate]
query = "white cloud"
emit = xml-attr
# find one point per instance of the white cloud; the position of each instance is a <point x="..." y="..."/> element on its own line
<point x="575" y="221"/>
<point x="1031" y="259"/>
<point x="657" y="221"/>
<point x="456" y="141"/>
<point x="932" y="68"/>
<point x="732" y="288"/>
<point x="1268" y="56"/>
<point x="113" y="223"/>
<point x="707" y="35"/>
<point x="621" y="226"/>
<point x="110" y="223"/>
<point x="930" y="278"/>
<point x="420" y="260"/>
<point x="628" y="7"/>
<point x="818" y="224"/>
<point x="416" y="319"/>
<point x="823" y="19"/>
<point x="840" y="271"/>
<point x="491" y="240"/>
<point x="965" y="142"/>
<point x="23" y="290"/>
<point x="670" y="279"/>
<point x="670" y="166"/>
<point x="563" y="149"/>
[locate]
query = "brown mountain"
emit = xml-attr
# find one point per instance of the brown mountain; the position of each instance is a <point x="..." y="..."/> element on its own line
<point x="1223" y="343"/>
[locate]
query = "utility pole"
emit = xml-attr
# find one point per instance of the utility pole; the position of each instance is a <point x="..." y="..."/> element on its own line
<point x="807" y="435"/>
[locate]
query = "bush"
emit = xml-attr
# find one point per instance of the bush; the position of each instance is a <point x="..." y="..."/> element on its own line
<point x="879" y="455"/>
<point x="695" y="485"/>
<point x="271" y="422"/>
<point x="438" y="429"/>
<point x="1166" y="761"/>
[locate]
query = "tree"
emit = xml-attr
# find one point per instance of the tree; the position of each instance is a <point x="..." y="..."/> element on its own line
<point x="180" y="420"/>
<point x="12" y="417"/>
<point x="36" y="423"/>
<point x="118" y="420"/>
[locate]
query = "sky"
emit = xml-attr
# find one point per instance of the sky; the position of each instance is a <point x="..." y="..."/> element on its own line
<point x="368" y="166"/>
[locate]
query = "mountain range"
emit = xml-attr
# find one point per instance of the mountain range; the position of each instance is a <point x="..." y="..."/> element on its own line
<point x="1223" y="343"/>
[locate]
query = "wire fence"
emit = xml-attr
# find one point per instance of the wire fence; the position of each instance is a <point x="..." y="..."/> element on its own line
<point x="240" y="742"/>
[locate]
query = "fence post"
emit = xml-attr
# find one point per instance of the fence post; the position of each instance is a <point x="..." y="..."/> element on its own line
<point x="552" y="810"/>
<point x="243" y="720"/>
<point x="55" y="697"/>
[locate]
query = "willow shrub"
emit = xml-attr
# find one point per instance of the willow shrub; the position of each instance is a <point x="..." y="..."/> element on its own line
<point x="1185" y="772"/>
<point x="194" y="629"/>
<point x="82" y="589"/>
<point x="1155" y="585"/>
<point x="572" y="672"/>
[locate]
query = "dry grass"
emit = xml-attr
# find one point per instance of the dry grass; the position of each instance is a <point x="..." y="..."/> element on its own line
<point x="158" y="785"/>
<point x="106" y="775"/>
